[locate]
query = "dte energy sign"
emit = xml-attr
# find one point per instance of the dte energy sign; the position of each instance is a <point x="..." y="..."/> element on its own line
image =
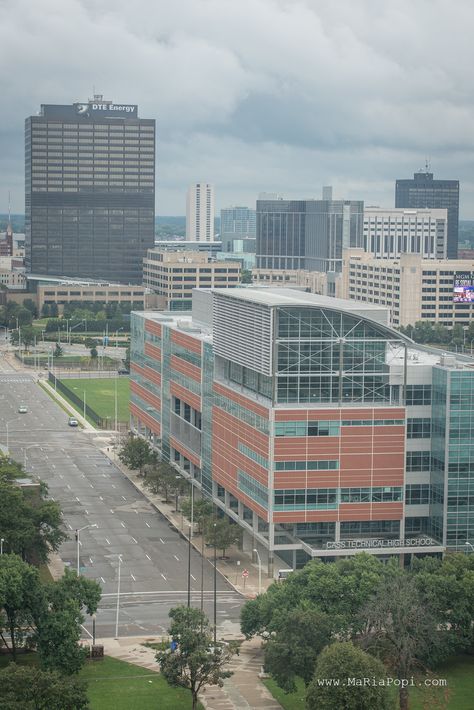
<point x="361" y="544"/>
<point x="109" y="110"/>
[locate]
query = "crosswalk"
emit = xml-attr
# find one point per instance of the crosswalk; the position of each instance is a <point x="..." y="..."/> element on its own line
<point x="14" y="379"/>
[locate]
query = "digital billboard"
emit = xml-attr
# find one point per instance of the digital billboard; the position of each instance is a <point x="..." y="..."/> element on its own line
<point x="463" y="290"/>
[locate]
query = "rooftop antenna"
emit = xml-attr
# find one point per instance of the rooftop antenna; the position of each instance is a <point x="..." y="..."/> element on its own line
<point x="9" y="207"/>
<point x="427" y="165"/>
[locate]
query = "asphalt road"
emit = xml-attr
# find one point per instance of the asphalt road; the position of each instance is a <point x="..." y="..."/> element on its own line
<point x="93" y="491"/>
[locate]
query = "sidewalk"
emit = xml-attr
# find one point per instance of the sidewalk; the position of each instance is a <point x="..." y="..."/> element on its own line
<point x="242" y="691"/>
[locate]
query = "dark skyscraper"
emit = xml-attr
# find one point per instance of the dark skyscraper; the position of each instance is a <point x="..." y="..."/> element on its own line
<point x="89" y="190"/>
<point x="423" y="191"/>
<point x="307" y="234"/>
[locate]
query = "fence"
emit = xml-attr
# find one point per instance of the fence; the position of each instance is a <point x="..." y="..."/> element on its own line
<point x="101" y="422"/>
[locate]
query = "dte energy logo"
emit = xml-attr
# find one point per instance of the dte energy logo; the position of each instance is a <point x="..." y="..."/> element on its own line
<point x="106" y="109"/>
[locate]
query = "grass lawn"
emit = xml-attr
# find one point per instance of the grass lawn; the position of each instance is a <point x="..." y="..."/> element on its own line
<point x="459" y="673"/>
<point x="100" y="394"/>
<point x="116" y="685"/>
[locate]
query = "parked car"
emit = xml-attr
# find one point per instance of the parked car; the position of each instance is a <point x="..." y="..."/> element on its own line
<point x="23" y="409"/>
<point x="72" y="421"/>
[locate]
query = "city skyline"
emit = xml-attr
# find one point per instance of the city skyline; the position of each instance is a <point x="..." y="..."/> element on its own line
<point x="235" y="108"/>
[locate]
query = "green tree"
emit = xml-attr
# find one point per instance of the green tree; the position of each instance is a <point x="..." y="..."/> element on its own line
<point x="22" y="314"/>
<point x="30" y="688"/>
<point x="27" y="335"/>
<point x="9" y="469"/>
<point x="339" y="662"/>
<point x="195" y="662"/>
<point x="136" y="453"/>
<point x="45" y="310"/>
<point x="293" y="649"/>
<point x="221" y="533"/>
<point x="126" y="360"/>
<point x="33" y="527"/>
<point x="91" y="342"/>
<point x="58" y="351"/>
<point x="31" y="306"/>
<point x="403" y="630"/>
<point x="202" y="511"/>
<point x="339" y="589"/>
<point x="21" y="599"/>
<point x="53" y="310"/>
<point x="246" y="276"/>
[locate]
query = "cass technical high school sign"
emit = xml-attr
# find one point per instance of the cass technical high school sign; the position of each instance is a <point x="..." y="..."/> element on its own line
<point x="109" y="110"/>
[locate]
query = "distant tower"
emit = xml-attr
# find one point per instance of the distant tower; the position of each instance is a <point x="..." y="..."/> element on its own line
<point x="200" y="213"/>
<point x="327" y="192"/>
<point x="6" y="240"/>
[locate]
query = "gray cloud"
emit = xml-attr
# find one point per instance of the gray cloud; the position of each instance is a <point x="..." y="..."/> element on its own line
<point x="276" y="95"/>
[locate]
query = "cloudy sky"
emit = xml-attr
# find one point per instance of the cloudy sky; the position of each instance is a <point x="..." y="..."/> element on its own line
<point x="256" y="95"/>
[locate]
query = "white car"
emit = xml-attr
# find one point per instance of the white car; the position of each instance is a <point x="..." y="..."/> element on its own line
<point x="22" y="409"/>
<point x="72" y="421"/>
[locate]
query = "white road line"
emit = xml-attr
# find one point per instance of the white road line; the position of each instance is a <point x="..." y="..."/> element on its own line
<point x="78" y="499"/>
<point x="53" y="499"/>
<point x="68" y="486"/>
<point x="176" y="558"/>
<point x="122" y="524"/>
<point x="135" y="541"/>
<point x="107" y="541"/>
<point x="123" y="497"/>
<point x="103" y="580"/>
<point x="69" y="526"/>
<point x="91" y="485"/>
<point x="92" y="562"/>
<point x="113" y="485"/>
<point x="111" y="510"/>
<point x="131" y="575"/>
<point x="193" y="577"/>
<point x="80" y="542"/>
<point x="163" y="577"/>
<point x="147" y="524"/>
<point x="148" y="557"/>
<point x="162" y="541"/>
<point x="100" y="498"/>
<point x="61" y="475"/>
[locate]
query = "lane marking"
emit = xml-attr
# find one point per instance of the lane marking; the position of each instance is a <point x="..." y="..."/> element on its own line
<point x="147" y="524"/>
<point x="103" y="580"/>
<point x="111" y="510"/>
<point x="123" y="497"/>
<point x="100" y="498"/>
<point x="92" y="562"/>
<point x="176" y="558"/>
<point x="86" y="511"/>
<point x="131" y="575"/>
<point x="122" y="524"/>
<point x="135" y="541"/>
<point x="87" y="632"/>
<point x="193" y="577"/>
<point x="148" y="557"/>
<point x="162" y="541"/>
<point x="163" y="576"/>
<point x="107" y="541"/>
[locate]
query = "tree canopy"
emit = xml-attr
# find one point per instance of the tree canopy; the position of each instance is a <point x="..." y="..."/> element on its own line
<point x="30" y="688"/>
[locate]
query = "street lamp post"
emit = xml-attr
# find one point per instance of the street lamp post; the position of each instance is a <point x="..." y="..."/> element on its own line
<point x="176" y="495"/>
<point x="118" y="598"/>
<point x="2" y="540"/>
<point x="94" y="616"/>
<point x="78" y="532"/>
<point x="215" y="585"/>
<point x="189" y="567"/>
<point x="259" y="570"/>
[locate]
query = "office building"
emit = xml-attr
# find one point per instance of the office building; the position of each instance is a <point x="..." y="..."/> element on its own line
<point x="413" y="288"/>
<point x="424" y="191"/>
<point x="61" y="292"/>
<point x="212" y="249"/>
<point x="310" y="422"/>
<point x="307" y="234"/>
<point x="391" y="232"/>
<point x="200" y="213"/>
<point x="324" y="283"/>
<point x="238" y="229"/>
<point x="90" y="190"/>
<point x="172" y="276"/>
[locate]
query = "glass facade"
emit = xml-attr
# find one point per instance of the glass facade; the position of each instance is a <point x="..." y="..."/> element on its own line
<point x="90" y="194"/>
<point x="328" y="356"/>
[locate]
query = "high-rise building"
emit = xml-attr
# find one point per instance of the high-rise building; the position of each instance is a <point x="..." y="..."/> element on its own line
<point x="307" y="234"/>
<point x="200" y="213"/>
<point x="89" y="190"/>
<point x="391" y="232"/>
<point x="310" y="422"/>
<point x="238" y="229"/>
<point x="423" y="191"/>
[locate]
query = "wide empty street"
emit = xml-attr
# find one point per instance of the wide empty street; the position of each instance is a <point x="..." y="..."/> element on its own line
<point x="92" y="491"/>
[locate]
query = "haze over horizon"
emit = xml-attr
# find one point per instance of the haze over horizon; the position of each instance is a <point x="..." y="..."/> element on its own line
<point x="263" y="95"/>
